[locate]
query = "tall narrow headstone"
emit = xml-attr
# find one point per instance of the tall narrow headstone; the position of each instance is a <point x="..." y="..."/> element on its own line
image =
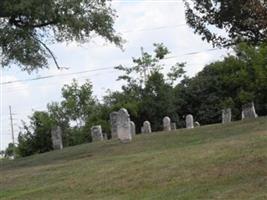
<point x="113" y="121"/>
<point x="56" y="136"/>
<point x="189" y="121"/>
<point x="124" y="126"/>
<point x="166" y="124"/>
<point x="248" y="111"/>
<point x="133" y="131"/>
<point x="96" y="133"/>
<point x="146" y="127"/>
<point x="226" y="115"/>
<point x="173" y="126"/>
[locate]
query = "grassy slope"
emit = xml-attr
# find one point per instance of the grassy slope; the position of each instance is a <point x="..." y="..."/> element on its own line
<point x="211" y="162"/>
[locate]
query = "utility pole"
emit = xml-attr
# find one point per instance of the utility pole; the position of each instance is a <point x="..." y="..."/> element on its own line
<point x="12" y="128"/>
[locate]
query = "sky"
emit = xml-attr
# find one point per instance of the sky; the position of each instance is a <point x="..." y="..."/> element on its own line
<point x="140" y="23"/>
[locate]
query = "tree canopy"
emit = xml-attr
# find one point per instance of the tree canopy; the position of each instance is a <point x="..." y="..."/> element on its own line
<point x="243" y="20"/>
<point x="27" y="26"/>
<point x="230" y="83"/>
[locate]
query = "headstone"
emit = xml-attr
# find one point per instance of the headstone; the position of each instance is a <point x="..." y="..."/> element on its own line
<point x="189" y="121"/>
<point x="196" y="124"/>
<point x="226" y="115"/>
<point x="248" y="111"/>
<point x="173" y="126"/>
<point x="56" y="136"/>
<point x="142" y="130"/>
<point x="166" y="124"/>
<point x="133" y="131"/>
<point x="96" y="133"/>
<point x="113" y="121"/>
<point x="124" y="126"/>
<point x="146" y="127"/>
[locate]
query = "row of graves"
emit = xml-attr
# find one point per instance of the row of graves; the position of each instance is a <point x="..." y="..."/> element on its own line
<point x="124" y="129"/>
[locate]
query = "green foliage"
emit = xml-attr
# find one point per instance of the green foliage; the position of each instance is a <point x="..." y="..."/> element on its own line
<point x="78" y="103"/>
<point x="157" y="101"/>
<point x="242" y="20"/>
<point x="143" y="66"/>
<point x="36" y="137"/>
<point x="10" y="151"/>
<point x="28" y="25"/>
<point x="229" y="83"/>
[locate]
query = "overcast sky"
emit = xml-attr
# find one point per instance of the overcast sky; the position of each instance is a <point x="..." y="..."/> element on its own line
<point x="140" y="23"/>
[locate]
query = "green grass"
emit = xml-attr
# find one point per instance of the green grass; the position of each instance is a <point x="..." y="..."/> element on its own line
<point x="211" y="162"/>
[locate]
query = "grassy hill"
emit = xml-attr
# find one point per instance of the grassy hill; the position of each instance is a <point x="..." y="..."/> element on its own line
<point x="210" y="162"/>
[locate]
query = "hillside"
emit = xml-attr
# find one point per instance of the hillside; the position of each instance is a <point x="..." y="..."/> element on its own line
<point x="210" y="162"/>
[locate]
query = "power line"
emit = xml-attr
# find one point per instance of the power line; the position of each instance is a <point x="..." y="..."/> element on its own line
<point x="93" y="70"/>
<point x="154" y="28"/>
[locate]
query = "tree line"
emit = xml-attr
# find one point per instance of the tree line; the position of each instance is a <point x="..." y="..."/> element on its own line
<point x="149" y="94"/>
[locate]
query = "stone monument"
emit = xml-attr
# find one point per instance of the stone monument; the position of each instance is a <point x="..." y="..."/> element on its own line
<point x="124" y="126"/>
<point x="226" y="115"/>
<point x="189" y="121"/>
<point x="56" y="136"/>
<point x="166" y="124"/>
<point x="133" y="131"/>
<point x="96" y="133"/>
<point x="146" y="127"/>
<point x="173" y="126"/>
<point x="113" y="121"/>
<point x="248" y="111"/>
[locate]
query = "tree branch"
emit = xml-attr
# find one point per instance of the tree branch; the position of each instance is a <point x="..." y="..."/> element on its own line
<point x="47" y="48"/>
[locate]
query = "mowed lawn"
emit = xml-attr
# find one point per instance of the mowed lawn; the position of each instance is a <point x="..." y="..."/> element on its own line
<point x="211" y="162"/>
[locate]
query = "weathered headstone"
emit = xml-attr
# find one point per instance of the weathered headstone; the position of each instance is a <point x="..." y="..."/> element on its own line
<point x="166" y="124"/>
<point x="142" y="130"/>
<point x="56" y="136"/>
<point x="113" y="121"/>
<point x="226" y="115"/>
<point x="189" y="121"/>
<point x="146" y="127"/>
<point x="248" y="111"/>
<point x="196" y="124"/>
<point x="96" y="133"/>
<point x="173" y="126"/>
<point x="133" y="131"/>
<point x="124" y="126"/>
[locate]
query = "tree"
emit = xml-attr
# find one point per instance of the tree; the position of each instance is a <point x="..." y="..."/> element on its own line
<point x="143" y="66"/>
<point x="36" y="137"/>
<point x="148" y="93"/>
<point x="10" y="151"/>
<point x="230" y="83"/>
<point x="78" y="103"/>
<point x="27" y="26"/>
<point x="243" y="20"/>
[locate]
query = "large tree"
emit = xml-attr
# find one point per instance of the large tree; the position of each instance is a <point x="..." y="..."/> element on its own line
<point x="27" y="26"/>
<point x="243" y="20"/>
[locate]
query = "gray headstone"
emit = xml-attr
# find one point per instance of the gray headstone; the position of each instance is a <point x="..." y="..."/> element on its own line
<point x="173" y="126"/>
<point x="133" y="131"/>
<point x="196" y="124"/>
<point x="56" y="136"/>
<point x="166" y="124"/>
<point x="113" y="121"/>
<point x="146" y="127"/>
<point x="248" y="111"/>
<point x="226" y="115"/>
<point x="142" y="130"/>
<point x="189" y="121"/>
<point x="124" y="126"/>
<point x="96" y="133"/>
